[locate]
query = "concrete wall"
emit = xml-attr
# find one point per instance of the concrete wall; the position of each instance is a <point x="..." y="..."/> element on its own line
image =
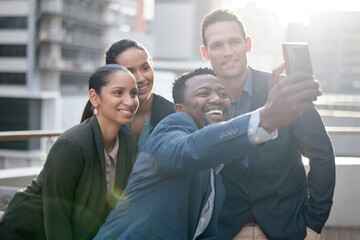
<point x="344" y="144"/>
<point x="346" y="208"/>
<point x="18" y="177"/>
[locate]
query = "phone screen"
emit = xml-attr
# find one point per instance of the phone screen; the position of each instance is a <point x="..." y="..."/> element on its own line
<point x="297" y="58"/>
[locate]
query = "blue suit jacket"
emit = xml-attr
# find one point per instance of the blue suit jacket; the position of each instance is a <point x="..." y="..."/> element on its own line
<point x="275" y="188"/>
<point x="169" y="183"/>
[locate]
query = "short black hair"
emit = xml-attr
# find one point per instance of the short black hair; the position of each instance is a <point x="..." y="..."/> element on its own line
<point x="220" y="15"/>
<point x="121" y="46"/>
<point x="179" y="83"/>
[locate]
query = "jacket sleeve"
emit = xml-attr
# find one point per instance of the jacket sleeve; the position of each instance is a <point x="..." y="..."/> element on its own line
<point x="61" y="173"/>
<point x="315" y="144"/>
<point x="176" y="146"/>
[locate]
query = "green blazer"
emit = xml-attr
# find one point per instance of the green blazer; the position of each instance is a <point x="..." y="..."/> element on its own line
<point x="68" y="198"/>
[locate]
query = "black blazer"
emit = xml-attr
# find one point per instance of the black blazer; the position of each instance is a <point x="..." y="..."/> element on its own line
<point x="68" y="198"/>
<point x="274" y="188"/>
<point x="160" y="108"/>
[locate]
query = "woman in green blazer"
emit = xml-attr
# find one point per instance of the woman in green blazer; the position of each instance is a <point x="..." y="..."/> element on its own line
<point x="86" y="169"/>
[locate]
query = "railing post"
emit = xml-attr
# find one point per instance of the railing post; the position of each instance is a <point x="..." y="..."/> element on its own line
<point x="49" y="144"/>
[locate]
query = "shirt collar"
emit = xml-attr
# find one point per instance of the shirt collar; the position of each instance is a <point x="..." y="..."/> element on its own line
<point x="247" y="85"/>
<point x="113" y="153"/>
<point x="218" y="168"/>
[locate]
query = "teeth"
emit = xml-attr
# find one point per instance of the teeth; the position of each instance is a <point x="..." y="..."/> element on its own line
<point x="230" y="61"/>
<point x="217" y="111"/>
<point x="142" y="88"/>
<point x="125" y="111"/>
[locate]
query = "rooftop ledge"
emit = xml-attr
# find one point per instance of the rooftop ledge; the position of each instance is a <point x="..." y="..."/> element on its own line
<point x="34" y="171"/>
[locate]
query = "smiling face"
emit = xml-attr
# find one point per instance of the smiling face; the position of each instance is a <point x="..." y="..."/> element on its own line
<point x="139" y="64"/>
<point x="117" y="102"/>
<point x="226" y="48"/>
<point x="205" y="100"/>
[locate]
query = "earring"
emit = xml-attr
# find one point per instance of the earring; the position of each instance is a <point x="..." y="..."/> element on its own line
<point x="95" y="110"/>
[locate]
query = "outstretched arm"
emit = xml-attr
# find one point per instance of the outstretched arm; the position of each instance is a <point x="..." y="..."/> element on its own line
<point x="315" y="144"/>
<point x="177" y="146"/>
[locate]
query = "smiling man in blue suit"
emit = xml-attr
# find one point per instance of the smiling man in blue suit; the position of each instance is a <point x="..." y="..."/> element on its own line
<point x="175" y="191"/>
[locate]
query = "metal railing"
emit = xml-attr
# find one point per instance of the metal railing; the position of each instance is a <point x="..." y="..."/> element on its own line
<point x="335" y="132"/>
<point x="29" y="134"/>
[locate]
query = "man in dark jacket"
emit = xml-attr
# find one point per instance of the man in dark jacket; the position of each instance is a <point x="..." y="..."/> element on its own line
<point x="267" y="191"/>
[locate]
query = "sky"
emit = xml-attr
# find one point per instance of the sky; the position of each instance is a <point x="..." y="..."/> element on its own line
<point x="297" y="11"/>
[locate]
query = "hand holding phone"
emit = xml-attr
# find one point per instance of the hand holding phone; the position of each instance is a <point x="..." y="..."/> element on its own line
<point x="297" y="58"/>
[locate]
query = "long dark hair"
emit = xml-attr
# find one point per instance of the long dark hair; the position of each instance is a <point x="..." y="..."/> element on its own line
<point x="98" y="80"/>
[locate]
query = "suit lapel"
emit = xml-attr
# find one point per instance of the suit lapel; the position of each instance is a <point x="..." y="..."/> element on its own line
<point x="260" y="88"/>
<point x="95" y="127"/>
<point x="123" y="164"/>
<point x="260" y="81"/>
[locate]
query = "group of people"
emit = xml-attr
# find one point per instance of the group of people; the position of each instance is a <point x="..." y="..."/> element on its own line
<point x="223" y="161"/>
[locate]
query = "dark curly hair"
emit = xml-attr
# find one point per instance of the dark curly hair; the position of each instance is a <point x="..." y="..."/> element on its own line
<point x="121" y="46"/>
<point x="179" y="83"/>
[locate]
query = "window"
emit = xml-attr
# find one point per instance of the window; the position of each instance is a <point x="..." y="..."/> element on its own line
<point x="19" y="114"/>
<point x="12" y="78"/>
<point x="12" y="50"/>
<point x="84" y="56"/>
<point x="74" y="84"/>
<point x="13" y="22"/>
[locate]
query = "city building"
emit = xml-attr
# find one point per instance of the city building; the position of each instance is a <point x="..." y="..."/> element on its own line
<point x="177" y="37"/>
<point x="334" y="41"/>
<point x="48" y="49"/>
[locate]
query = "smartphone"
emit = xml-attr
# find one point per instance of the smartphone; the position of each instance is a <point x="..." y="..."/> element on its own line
<point x="297" y="58"/>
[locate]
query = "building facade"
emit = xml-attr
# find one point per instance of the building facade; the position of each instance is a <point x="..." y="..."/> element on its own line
<point x="334" y="40"/>
<point x="48" y="49"/>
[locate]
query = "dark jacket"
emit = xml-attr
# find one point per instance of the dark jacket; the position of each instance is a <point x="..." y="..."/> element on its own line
<point x="160" y="108"/>
<point x="275" y="188"/>
<point x="68" y="198"/>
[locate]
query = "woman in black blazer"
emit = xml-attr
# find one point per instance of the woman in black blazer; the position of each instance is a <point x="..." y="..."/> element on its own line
<point x="86" y="169"/>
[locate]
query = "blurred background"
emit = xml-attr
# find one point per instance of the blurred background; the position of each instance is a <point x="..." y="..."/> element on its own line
<point x="48" y="49"/>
